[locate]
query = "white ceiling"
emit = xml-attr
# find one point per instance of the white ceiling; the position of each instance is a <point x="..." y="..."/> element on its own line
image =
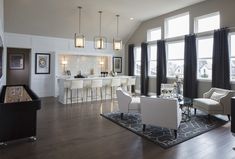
<point x="59" y="18"/>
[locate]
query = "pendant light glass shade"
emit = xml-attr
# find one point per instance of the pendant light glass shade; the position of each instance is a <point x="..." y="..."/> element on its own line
<point x="79" y="39"/>
<point x="100" y="41"/>
<point x="117" y="43"/>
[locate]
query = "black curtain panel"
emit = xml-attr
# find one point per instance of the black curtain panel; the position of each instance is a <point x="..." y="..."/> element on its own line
<point x="144" y="69"/>
<point x="131" y="60"/>
<point x="190" y="67"/>
<point x="131" y="63"/>
<point x="220" y="60"/>
<point x="161" y="65"/>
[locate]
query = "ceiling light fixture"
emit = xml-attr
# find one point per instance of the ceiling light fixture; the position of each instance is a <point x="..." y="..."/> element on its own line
<point x="117" y="43"/>
<point x="100" y="41"/>
<point x="79" y="39"/>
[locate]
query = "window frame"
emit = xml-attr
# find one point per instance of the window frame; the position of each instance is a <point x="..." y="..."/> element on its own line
<point x="166" y="26"/>
<point x="167" y="55"/>
<point x="197" y="46"/>
<point x="135" y="50"/>
<point x="149" y="34"/>
<point x="196" y="19"/>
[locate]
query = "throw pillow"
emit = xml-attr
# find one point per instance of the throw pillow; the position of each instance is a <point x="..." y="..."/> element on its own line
<point x="216" y="96"/>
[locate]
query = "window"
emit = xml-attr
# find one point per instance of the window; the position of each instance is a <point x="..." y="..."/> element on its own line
<point x="177" y="25"/>
<point x="175" y="56"/>
<point x="137" y="58"/>
<point x="207" y="22"/>
<point x="232" y="58"/>
<point x="154" y="34"/>
<point x="204" y="53"/>
<point x="152" y="57"/>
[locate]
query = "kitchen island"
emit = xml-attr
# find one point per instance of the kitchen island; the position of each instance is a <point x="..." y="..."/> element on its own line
<point x="65" y="82"/>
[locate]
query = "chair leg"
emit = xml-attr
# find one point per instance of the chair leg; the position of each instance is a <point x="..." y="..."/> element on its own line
<point x="67" y="91"/>
<point x="175" y="132"/>
<point x="77" y="96"/>
<point x="101" y="94"/>
<point x="195" y="111"/>
<point x="229" y="117"/>
<point x="144" y="127"/>
<point x="71" y="97"/>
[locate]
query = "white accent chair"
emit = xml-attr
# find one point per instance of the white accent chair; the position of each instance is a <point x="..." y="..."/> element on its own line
<point x="215" y="101"/>
<point x="161" y="112"/>
<point x="126" y="103"/>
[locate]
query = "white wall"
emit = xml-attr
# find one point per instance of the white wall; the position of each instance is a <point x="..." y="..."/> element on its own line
<point x="45" y="85"/>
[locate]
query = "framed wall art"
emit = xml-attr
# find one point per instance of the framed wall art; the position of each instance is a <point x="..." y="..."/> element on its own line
<point x="42" y="63"/>
<point x="117" y="64"/>
<point x="16" y="61"/>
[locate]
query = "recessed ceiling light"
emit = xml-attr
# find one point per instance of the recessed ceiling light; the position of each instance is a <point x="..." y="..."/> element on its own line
<point x="131" y="18"/>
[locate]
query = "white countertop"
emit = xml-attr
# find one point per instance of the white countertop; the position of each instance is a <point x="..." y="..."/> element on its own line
<point x="69" y="78"/>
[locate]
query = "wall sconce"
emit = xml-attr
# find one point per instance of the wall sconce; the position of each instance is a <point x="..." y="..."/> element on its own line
<point x="101" y="63"/>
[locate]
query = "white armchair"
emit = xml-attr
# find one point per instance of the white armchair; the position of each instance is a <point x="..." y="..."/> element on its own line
<point x="126" y="103"/>
<point x="162" y="112"/>
<point x="215" y="101"/>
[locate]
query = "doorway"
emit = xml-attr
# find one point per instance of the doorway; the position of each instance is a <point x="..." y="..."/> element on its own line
<point x="18" y="66"/>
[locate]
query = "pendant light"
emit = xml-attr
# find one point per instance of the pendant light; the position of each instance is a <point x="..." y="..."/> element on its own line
<point x="79" y="39"/>
<point x="117" y="43"/>
<point x="100" y="41"/>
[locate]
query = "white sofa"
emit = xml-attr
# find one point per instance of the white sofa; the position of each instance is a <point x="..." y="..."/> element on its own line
<point x="215" y="101"/>
<point x="162" y="112"/>
<point x="126" y="103"/>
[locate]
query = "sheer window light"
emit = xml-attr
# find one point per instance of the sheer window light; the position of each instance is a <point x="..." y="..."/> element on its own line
<point x="177" y="25"/>
<point x="204" y="61"/>
<point x="137" y="59"/>
<point x="207" y="22"/>
<point x="232" y="56"/>
<point x="175" y="59"/>
<point x="154" y="34"/>
<point x="152" y="57"/>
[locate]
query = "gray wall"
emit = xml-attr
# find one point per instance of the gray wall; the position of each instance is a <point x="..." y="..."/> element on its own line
<point x="226" y="9"/>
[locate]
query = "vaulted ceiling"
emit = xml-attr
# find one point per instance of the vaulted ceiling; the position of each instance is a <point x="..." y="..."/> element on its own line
<point x="59" y="18"/>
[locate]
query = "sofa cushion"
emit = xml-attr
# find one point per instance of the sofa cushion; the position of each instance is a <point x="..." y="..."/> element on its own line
<point x="216" y="96"/>
<point x="207" y="104"/>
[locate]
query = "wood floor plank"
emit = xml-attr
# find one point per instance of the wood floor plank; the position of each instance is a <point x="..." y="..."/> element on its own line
<point x="78" y="131"/>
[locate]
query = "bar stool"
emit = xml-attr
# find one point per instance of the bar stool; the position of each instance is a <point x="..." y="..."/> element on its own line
<point x="115" y="82"/>
<point x="78" y="86"/>
<point x="95" y="85"/>
<point x="66" y="90"/>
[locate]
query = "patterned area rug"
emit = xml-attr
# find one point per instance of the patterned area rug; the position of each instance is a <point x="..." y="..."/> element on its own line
<point x="198" y="124"/>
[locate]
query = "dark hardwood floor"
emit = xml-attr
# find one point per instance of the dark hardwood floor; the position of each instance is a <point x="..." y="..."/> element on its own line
<point x="79" y="132"/>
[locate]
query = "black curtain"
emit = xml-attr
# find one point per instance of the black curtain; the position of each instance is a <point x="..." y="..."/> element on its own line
<point x="190" y="67"/>
<point x="161" y="65"/>
<point x="131" y="60"/>
<point x="144" y="69"/>
<point x="131" y="63"/>
<point x="220" y="60"/>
